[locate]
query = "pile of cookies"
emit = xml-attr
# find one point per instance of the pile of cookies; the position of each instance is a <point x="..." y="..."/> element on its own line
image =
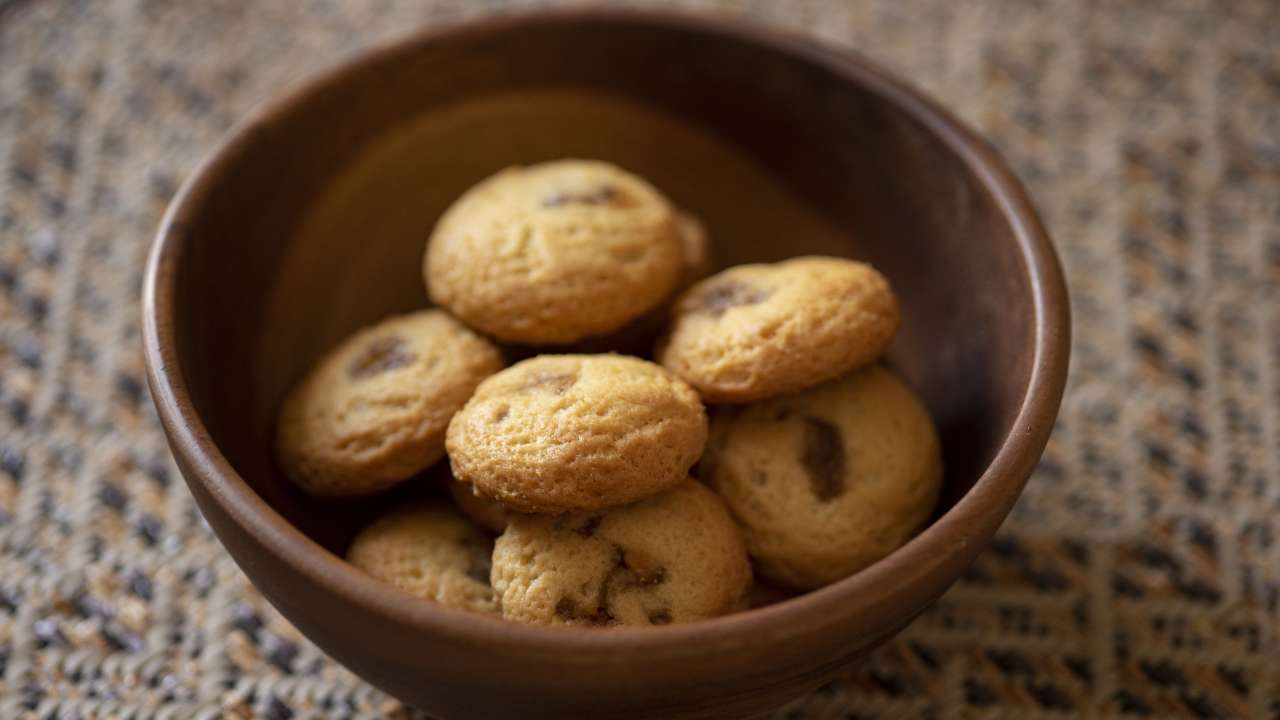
<point x="815" y="463"/>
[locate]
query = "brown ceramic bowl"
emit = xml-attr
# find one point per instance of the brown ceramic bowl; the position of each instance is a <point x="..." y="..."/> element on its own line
<point x="310" y="220"/>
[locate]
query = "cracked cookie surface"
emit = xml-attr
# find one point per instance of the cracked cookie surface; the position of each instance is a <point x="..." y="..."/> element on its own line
<point x="555" y="252"/>
<point x="374" y="410"/>
<point x="430" y="552"/>
<point x="756" y="331"/>
<point x="676" y="557"/>
<point x="569" y="433"/>
<point x="827" y="481"/>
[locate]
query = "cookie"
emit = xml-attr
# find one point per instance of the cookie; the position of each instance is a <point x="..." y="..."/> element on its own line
<point x="569" y="433"/>
<point x="673" y="558"/>
<point x="374" y="411"/>
<point x="756" y="331"/>
<point x="431" y="552"/>
<point x="488" y="514"/>
<point x="827" y="481"/>
<point x="638" y="336"/>
<point x="695" y="250"/>
<point x="555" y="252"/>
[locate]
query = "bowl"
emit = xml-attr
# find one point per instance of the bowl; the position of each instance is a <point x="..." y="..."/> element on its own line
<point x="309" y="220"/>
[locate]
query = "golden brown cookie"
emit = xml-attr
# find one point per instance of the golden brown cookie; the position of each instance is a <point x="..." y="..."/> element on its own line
<point x="431" y="552"/>
<point x="638" y="337"/>
<point x="755" y="331"/>
<point x="554" y="252"/>
<point x="676" y="557"/>
<point x="695" y="250"/>
<point x="569" y="433"/>
<point x="827" y="481"/>
<point x="373" y="412"/>
<point x="488" y="514"/>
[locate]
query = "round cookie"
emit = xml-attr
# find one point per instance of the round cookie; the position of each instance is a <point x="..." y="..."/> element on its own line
<point x="429" y="551"/>
<point x="554" y="252"/>
<point x="756" y="331"/>
<point x="488" y="514"/>
<point x="695" y="250"/>
<point x="673" y="558"/>
<point x="374" y="411"/>
<point x="569" y="433"/>
<point x="828" y="481"/>
<point x="638" y="336"/>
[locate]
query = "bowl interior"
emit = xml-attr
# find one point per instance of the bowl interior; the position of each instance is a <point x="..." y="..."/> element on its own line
<point x="318" y="222"/>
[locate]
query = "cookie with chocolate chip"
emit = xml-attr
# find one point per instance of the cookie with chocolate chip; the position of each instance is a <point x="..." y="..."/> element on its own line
<point x="827" y="481"/>
<point x="571" y="433"/>
<point x="373" y="412"/>
<point x="755" y="331"/>
<point x="552" y="253"/>
<point x="638" y="336"/>
<point x="673" y="558"/>
<point x="430" y="552"/>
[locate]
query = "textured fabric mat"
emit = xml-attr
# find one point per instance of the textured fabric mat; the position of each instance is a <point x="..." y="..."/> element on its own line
<point x="1138" y="576"/>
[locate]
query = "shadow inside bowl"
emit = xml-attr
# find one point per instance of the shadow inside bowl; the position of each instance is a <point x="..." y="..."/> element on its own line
<point x="348" y="251"/>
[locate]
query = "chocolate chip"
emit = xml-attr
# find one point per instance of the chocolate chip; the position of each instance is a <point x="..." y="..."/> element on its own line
<point x="603" y="195"/>
<point x="633" y="569"/>
<point x="623" y="577"/>
<point x="654" y="577"/>
<point x="660" y="617"/>
<point x="717" y="299"/>
<point x="646" y="570"/>
<point x="823" y="457"/>
<point x="569" y="610"/>
<point x="379" y="356"/>
<point x="630" y="570"/>
<point x="555" y="383"/>
<point x="627" y="578"/>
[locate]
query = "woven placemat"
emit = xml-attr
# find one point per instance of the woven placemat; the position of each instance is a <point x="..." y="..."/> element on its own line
<point x="1138" y="576"/>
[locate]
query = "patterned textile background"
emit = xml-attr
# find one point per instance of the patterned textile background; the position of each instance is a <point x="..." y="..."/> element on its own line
<point x="1139" y="575"/>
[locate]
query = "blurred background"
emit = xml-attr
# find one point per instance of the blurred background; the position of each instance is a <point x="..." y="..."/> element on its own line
<point x="1138" y="576"/>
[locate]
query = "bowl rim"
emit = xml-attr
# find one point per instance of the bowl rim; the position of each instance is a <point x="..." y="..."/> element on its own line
<point x="875" y="592"/>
